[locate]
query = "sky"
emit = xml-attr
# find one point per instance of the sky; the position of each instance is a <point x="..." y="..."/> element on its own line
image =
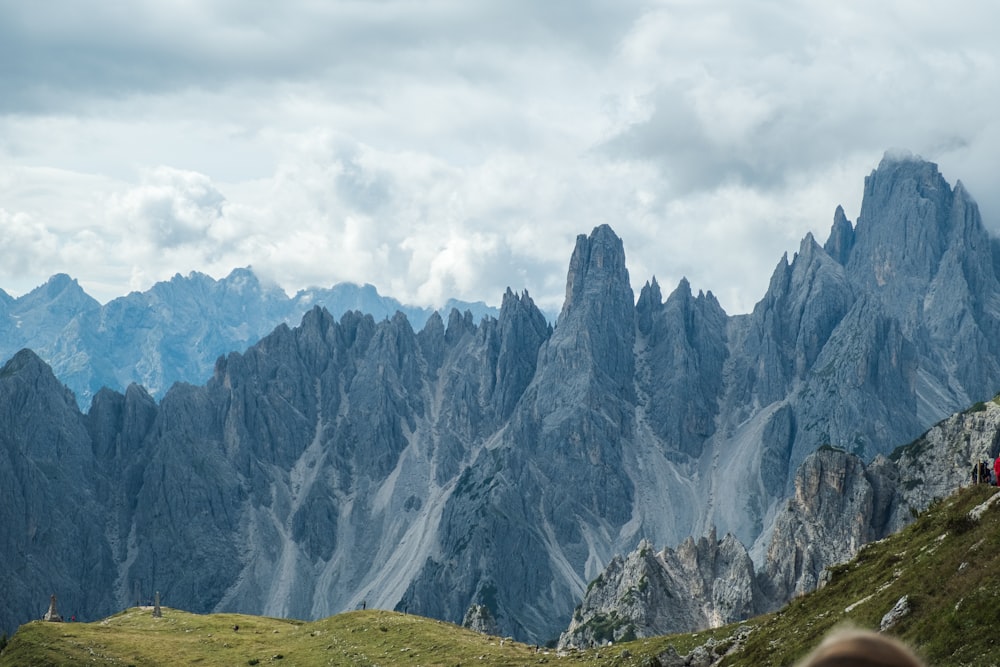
<point x="453" y="148"/>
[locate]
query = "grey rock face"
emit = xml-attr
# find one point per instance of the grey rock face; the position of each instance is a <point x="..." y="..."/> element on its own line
<point x="841" y="240"/>
<point x="479" y="619"/>
<point x="941" y="460"/>
<point x="52" y="542"/>
<point x="899" y="611"/>
<point x="836" y="509"/>
<point x="704" y="583"/>
<point x="680" y="353"/>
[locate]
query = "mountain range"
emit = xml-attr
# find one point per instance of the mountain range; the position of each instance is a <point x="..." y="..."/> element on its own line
<point x="931" y="585"/>
<point x="173" y="331"/>
<point x="354" y="461"/>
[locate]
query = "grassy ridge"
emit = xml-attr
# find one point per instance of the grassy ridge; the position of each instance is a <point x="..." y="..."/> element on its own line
<point x="371" y="637"/>
<point x="947" y="565"/>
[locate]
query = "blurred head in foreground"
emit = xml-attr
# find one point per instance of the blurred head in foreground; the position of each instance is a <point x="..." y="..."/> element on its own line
<point x="860" y="648"/>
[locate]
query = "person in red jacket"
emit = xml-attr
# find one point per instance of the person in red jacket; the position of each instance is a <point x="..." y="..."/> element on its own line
<point x="996" y="471"/>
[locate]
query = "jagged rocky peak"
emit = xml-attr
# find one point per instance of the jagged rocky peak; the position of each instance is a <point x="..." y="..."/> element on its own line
<point x="117" y="422"/>
<point x="459" y="324"/>
<point x="39" y="414"/>
<point x="26" y="374"/>
<point x="682" y="293"/>
<point x="520" y="311"/>
<point x="522" y="329"/>
<point x="242" y="280"/>
<point x="597" y="276"/>
<point x="431" y="340"/>
<point x="904" y="223"/>
<point x="61" y="293"/>
<point x="58" y="284"/>
<point x="650" y="301"/>
<point x="598" y="317"/>
<point x="25" y="361"/>
<point x="521" y="305"/>
<point x="841" y="240"/>
<point x="680" y="366"/>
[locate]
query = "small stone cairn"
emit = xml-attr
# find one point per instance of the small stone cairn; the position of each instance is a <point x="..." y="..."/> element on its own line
<point x="52" y="615"/>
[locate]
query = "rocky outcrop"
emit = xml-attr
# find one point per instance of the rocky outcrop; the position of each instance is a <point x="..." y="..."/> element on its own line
<point x="704" y="583"/>
<point x="479" y="619"/>
<point x="681" y="351"/>
<point x="941" y="460"/>
<point x="838" y="506"/>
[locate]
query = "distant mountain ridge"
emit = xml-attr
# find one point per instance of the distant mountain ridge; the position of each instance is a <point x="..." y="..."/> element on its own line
<point x="503" y="463"/>
<point x="173" y="331"/>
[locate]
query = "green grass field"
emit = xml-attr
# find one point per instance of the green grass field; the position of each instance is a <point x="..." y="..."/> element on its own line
<point x="373" y="637"/>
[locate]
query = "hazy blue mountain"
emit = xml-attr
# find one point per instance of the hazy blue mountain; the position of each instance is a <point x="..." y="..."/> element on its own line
<point x="498" y="462"/>
<point x="175" y="330"/>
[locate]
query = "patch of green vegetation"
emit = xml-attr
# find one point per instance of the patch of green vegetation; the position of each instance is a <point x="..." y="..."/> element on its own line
<point x="914" y="449"/>
<point x="605" y="628"/>
<point x="371" y="637"/>
<point x="830" y="448"/>
<point x="977" y="407"/>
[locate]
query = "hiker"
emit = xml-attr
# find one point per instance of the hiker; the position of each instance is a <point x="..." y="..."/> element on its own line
<point x="980" y="473"/>
<point x="860" y="648"/>
<point x="996" y="471"/>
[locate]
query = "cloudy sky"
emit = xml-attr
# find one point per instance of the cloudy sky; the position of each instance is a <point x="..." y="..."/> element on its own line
<point x="451" y="148"/>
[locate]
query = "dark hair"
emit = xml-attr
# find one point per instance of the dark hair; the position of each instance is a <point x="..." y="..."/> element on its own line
<point x="861" y="648"/>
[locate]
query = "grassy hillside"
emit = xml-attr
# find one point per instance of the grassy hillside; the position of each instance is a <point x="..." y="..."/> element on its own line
<point x="374" y="637"/>
<point x="946" y="563"/>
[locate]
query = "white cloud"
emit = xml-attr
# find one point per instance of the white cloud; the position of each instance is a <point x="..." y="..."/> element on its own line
<point x="450" y="149"/>
<point x="170" y="208"/>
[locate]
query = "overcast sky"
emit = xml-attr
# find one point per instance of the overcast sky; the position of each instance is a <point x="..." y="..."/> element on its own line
<point x="452" y="148"/>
